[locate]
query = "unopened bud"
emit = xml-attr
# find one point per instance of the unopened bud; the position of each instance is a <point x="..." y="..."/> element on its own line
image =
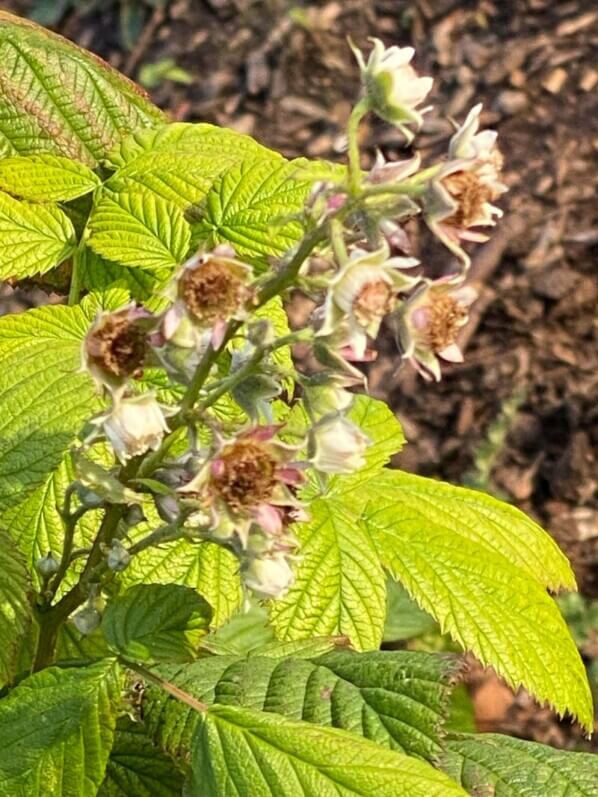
<point x="134" y="515"/>
<point x="89" y="498"/>
<point x="87" y="620"/>
<point x="118" y="557"/>
<point x="168" y="507"/>
<point x="46" y="565"/>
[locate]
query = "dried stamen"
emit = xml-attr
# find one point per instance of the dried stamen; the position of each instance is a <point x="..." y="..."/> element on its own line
<point x="212" y="291"/>
<point x="118" y="346"/>
<point x="244" y="474"/>
<point x="445" y="316"/>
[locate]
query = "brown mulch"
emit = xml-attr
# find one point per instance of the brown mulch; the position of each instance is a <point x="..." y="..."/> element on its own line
<point x="289" y="79"/>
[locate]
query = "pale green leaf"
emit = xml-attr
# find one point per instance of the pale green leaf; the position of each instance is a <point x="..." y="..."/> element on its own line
<point x="57" y="729"/>
<point x="183" y="138"/>
<point x="242" y="752"/>
<point x="245" y="632"/>
<point x="181" y="165"/>
<point x="157" y="622"/>
<point x="136" y="768"/>
<point x="45" y="398"/>
<point x="97" y="274"/>
<point x="33" y="238"/>
<point x="339" y="584"/>
<point x="396" y="699"/>
<point x="60" y="99"/>
<point x="475" y="516"/>
<point x="216" y="577"/>
<point x="493" y="764"/>
<point x="35" y="524"/>
<point x="207" y="568"/>
<point x="46" y="178"/>
<point x="250" y="207"/>
<point x="44" y="395"/>
<point x="15" y="608"/>
<point x="139" y="230"/>
<point x="485" y="602"/>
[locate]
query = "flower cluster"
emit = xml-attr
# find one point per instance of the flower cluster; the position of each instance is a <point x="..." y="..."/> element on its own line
<point x="223" y="469"/>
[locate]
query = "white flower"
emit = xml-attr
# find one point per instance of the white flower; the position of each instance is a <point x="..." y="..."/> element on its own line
<point x="362" y="293"/>
<point x="392" y="87"/>
<point x="428" y="322"/>
<point x="336" y="445"/>
<point x="269" y="576"/>
<point x="135" y="425"/>
<point x="461" y="194"/>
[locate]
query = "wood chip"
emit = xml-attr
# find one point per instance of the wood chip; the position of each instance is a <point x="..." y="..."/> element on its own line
<point x="588" y="79"/>
<point x="555" y="81"/>
<point x="570" y="26"/>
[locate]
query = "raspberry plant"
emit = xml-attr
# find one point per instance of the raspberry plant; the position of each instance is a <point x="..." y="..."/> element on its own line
<point x="165" y="464"/>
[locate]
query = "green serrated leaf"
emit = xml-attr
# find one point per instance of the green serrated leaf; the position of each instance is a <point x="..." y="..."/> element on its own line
<point x="251" y="206"/>
<point x="246" y="631"/>
<point x="339" y="584"/>
<point x="157" y="622"/>
<point x="239" y="751"/>
<point x="397" y="699"/>
<point x="504" y="767"/>
<point x="182" y="138"/>
<point x="475" y="516"/>
<point x="33" y="238"/>
<point x="57" y="98"/>
<point x="488" y="604"/>
<point x="36" y="526"/>
<point x="15" y="608"/>
<point x="97" y="274"/>
<point x="139" y="230"/>
<point x="57" y="729"/>
<point x="45" y="398"/>
<point x="136" y="768"/>
<point x="207" y="568"/>
<point x="46" y="178"/>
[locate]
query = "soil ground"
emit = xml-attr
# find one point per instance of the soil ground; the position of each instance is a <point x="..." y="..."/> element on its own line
<point x="521" y="414"/>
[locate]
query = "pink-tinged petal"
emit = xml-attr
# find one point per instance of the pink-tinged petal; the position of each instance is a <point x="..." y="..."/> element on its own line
<point x="218" y="468"/>
<point x="171" y="321"/>
<point x="452" y="354"/>
<point x="224" y="250"/>
<point x="336" y="201"/>
<point x="218" y="332"/>
<point x="262" y="434"/>
<point x="268" y="518"/>
<point x="420" y="318"/>
<point x="349" y="354"/>
<point x="290" y="475"/>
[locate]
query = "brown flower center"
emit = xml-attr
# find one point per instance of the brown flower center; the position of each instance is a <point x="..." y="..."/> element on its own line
<point x="446" y="317"/>
<point x="213" y="290"/>
<point x="374" y="301"/>
<point x="118" y="346"/>
<point x="247" y="474"/>
<point x="470" y="194"/>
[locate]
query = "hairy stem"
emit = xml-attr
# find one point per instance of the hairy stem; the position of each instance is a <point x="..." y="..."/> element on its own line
<point x="357" y="115"/>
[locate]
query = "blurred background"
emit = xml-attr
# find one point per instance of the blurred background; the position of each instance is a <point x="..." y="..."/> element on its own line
<point x="520" y="417"/>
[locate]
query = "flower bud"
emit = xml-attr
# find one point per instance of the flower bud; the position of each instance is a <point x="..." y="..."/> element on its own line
<point x="87" y="620"/>
<point x="337" y="445"/>
<point x="118" y="558"/>
<point x="47" y="566"/>
<point x="392" y="87"/>
<point x="135" y="425"/>
<point x="269" y="576"/>
<point x="326" y="394"/>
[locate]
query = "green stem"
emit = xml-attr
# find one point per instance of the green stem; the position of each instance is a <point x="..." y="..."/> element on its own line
<point x="357" y="115"/>
<point x="75" y="286"/>
<point x="337" y="240"/>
